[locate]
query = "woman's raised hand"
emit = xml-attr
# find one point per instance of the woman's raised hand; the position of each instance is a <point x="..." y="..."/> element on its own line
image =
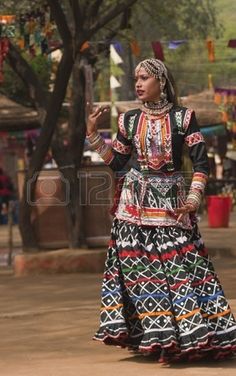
<point x="185" y="209"/>
<point x="95" y="117"/>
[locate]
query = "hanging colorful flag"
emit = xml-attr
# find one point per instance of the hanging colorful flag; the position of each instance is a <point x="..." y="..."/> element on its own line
<point x="210" y="83"/>
<point x="211" y="50"/>
<point x="115" y="56"/>
<point x="7" y="26"/>
<point x="4" y="47"/>
<point x="118" y="47"/>
<point x="135" y="48"/>
<point x="21" y="43"/>
<point x="7" y="19"/>
<point x="158" y="50"/>
<point x="114" y="83"/>
<point x="173" y="44"/>
<point x="84" y="46"/>
<point x="232" y="43"/>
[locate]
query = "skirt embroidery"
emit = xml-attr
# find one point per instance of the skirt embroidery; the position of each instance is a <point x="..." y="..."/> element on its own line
<point x="160" y="292"/>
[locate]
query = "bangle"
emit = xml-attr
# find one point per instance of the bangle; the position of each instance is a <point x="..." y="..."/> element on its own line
<point x="193" y="206"/>
<point x="89" y="134"/>
<point x="92" y="137"/>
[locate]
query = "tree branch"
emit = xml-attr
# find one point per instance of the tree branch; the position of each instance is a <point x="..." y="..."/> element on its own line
<point x="28" y="76"/>
<point x="124" y="23"/>
<point x="49" y="125"/>
<point x="77" y="14"/>
<point x="113" y="13"/>
<point x="61" y="22"/>
<point x="93" y="8"/>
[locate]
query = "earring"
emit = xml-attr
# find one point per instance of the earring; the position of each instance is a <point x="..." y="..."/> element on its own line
<point x="162" y="93"/>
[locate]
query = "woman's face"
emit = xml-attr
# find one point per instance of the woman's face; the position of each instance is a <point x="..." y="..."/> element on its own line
<point x="147" y="87"/>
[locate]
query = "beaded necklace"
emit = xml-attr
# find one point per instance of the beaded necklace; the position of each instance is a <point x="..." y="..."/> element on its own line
<point x="157" y="108"/>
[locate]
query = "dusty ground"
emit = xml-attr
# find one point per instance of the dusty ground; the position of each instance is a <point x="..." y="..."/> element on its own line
<point x="47" y="322"/>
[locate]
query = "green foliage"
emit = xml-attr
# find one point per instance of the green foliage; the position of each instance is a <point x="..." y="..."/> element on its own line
<point x="15" y="7"/>
<point x="13" y="87"/>
<point x="41" y="64"/>
<point x="193" y="20"/>
<point x="182" y="19"/>
<point x="190" y="64"/>
<point x="116" y="70"/>
<point x="226" y="15"/>
<point x="157" y="20"/>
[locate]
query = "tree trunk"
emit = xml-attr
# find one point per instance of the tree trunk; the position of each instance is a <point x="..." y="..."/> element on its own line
<point x="63" y="158"/>
<point x="69" y="158"/>
<point x="42" y="146"/>
<point x="77" y="137"/>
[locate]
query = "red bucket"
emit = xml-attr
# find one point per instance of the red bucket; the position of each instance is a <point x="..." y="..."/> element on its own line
<point x="218" y="208"/>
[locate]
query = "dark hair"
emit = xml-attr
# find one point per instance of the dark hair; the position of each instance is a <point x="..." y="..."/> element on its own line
<point x="173" y="98"/>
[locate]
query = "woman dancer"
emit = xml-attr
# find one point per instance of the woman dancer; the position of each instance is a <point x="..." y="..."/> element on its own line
<point x="160" y="292"/>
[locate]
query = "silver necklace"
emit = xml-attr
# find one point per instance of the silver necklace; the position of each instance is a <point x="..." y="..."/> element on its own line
<point x="157" y="108"/>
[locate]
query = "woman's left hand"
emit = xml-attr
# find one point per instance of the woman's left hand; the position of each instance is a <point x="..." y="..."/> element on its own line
<point x="185" y="209"/>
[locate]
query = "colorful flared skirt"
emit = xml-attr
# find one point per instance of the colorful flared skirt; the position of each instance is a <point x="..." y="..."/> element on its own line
<point x="161" y="295"/>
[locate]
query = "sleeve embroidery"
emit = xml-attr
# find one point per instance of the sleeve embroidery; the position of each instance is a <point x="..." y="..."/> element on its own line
<point x="121" y="125"/>
<point x="187" y="118"/>
<point x="194" y="139"/>
<point x="179" y="121"/>
<point x="120" y="147"/>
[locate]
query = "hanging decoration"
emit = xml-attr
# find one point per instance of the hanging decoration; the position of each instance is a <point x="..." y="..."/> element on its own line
<point x="115" y="73"/>
<point x="158" y="50"/>
<point x="114" y="83"/>
<point x="84" y="46"/>
<point x="4" y="47"/>
<point x="7" y="26"/>
<point x="34" y="31"/>
<point x="7" y="30"/>
<point x="173" y="44"/>
<point x="135" y="48"/>
<point x="232" y="43"/>
<point x="118" y="47"/>
<point x="210" y="83"/>
<point x="211" y="50"/>
<point x="115" y="57"/>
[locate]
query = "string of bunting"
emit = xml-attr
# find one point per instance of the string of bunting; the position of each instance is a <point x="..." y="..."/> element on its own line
<point x="158" y="47"/>
<point x="7" y="30"/>
<point x="34" y="31"/>
<point x="224" y="98"/>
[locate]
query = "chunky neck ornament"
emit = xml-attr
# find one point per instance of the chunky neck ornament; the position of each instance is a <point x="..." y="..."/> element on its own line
<point x="157" y="108"/>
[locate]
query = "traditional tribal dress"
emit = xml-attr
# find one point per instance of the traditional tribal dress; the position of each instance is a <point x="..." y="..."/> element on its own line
<point x="160" y="292"/>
